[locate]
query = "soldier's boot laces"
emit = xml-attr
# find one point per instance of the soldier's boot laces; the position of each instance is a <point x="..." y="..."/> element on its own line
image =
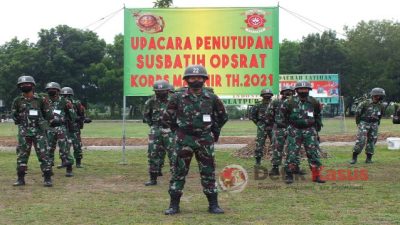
<point x="274" y="171"/>
<point x="47" y="179"/>
<point x="153" y="179"/>
<point x="369" y="158"/>
<point x="79" y="163"/>
<point x="21" y="179"/>
<point x="68" y="171"/>
<point x="213" y="204"/>
<point x="173" y="205"/>
<point x="258" y="161"/>
<point x="354" y="159"/>
<point x="289" y="177"/>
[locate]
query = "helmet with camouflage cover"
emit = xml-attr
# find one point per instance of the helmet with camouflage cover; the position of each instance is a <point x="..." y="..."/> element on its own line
<point x="171" y="88"/>
<point x="161" y="85"/>
<point x="53" y="85"/>
<point x="266" y="91"/>
<point x="195" y="70"/>
<point x="67" y="91"/>
<point x="303" y="84"/>
<point x="377" y="91"/>
<point x="26" y="79"/>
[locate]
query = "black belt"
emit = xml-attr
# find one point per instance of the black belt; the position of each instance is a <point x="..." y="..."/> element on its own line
<point x="192" y="132"/>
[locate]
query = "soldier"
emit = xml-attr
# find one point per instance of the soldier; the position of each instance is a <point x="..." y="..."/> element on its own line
<point x="264" y="125"/>
<point x="74" y="127"/>
<point x="63" y="111"/>
<point x="279" y="131"/>
<point x="303" y="114"/>
<point x="30" y="113"/>
<point x="160" y="139"/>
<point x="197" y="116"/>
<point x="368" y="118"/>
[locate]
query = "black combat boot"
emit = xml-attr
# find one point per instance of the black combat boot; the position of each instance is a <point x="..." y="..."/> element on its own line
<point x="21" y="179"/>
<point x="213" y="204"/>
<point x="258" y="161"/>
<point x="316" y="174"/>
<point x="289" y="177"/>
<point x="78" y="163"/>
<point x="299" y="171"/>
<point x="47" y="179"/>
<point x="153" y="179"/>
<point x="369" y="158"/>
<point x="174" y="204"/>
<point x="68" y="171"/>
<point x="160" y="173"/>
<point x="274" y="171"/>
<point x="354" y="159"/>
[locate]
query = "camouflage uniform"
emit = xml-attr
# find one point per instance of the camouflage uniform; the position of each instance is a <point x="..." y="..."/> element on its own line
<point x="304" y="119"/>
<point x="264" y="125"/>
<point x="279" y="131"/>
<point x="63" y="111"/>
<point x="31" y="115"/>
<point x="161" y="140"/>
<point x="197" y="119"/>
<point x="368" y="116"/>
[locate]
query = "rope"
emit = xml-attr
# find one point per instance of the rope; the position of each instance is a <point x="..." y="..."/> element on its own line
<point x="105" y="18"/>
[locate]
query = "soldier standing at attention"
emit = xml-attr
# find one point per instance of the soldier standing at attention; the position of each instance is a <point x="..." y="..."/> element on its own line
<point x="264" y="125"/>
<point x="30" y="113"/>
<point x="279" y="131"/>
<point x="160" y="139"/>
<point x="74" y="127"/>
<point x="303" y="114"/>
<point x="368" y="118"/>
<point x="63" y="111"/>
<point x="197" y="116"/>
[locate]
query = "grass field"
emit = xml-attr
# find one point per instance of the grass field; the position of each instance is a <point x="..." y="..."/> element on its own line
<point x="105" y="192"/>
<point x="113" y="129"/>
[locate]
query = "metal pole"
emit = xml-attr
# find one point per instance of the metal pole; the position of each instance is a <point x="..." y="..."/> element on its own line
<point x="123" y="162"/>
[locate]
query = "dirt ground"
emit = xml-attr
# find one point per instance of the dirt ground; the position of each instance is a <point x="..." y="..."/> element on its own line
<point x="11" y="141"/>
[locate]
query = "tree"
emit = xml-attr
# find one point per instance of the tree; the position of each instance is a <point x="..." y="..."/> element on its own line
<point x="162" y="3"/>
<point x="289" y="61"/>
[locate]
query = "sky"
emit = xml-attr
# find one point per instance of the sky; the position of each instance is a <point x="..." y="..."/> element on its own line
<point x="25" y="18"/>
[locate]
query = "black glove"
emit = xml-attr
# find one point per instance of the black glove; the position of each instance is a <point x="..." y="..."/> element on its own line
<point x="216" y="136"/>
<point x="87" y="120"/>
<point x="55" y="122"/>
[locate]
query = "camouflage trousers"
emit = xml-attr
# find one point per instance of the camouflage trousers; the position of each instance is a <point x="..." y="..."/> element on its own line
<point x="262" y="134"/>
<point x="161" y="142"/>
<point x="59" y="135"/>
<point x="74" y="139"/>
<point x="296" y="137"/>
<point x="278" y="144"/>
<point x="202" y="147"/>
<point x="367" y="135"/>
<point x="24" y="147"/>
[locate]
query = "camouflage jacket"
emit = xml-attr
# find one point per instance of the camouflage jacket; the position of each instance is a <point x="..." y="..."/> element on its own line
<point x="77" y="124"/>
<point x="195" y="114"/>
<point x="302" y="114"/>
<point x="62" y="110"/>
<point x="274" y="113"/>
<point x="31" y="114"/>
<point x="370" y="112"/>
<point x="258" y="113"/>
<point x="153" y="111"/>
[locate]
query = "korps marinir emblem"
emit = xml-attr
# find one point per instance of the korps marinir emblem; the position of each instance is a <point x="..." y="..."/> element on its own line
<point x="149" y="23"/>
<point x="255" y="20"/>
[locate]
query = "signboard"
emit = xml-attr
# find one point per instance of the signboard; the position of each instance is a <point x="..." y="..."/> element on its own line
<point x="239" y="47"/>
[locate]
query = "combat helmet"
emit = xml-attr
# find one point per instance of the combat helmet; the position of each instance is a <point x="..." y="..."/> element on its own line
<point x="286" y="88"/>
<point x="266" y="91"/>
<point x="377" y="91"/>
<point x="53" y="85"/>
<point x="303" y="84"/>
<point x="161" y="85"/>
<point x="26" y="79"/>
<point x="67" y="91"/>
<point x="195" y="70"/>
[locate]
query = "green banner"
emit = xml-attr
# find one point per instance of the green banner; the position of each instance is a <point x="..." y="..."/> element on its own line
<point x="238" y="46"/>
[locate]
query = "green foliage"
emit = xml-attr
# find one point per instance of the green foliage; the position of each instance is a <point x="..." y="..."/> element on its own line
<point x="162" y="3"/>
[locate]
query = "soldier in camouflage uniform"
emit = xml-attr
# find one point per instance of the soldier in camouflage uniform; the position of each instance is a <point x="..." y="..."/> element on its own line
<point x="368" y="117"/>
<point x="160" y="139"/>
<point x="63" y="111"/>
<point x="303" y="114"/>
<point x="279" y="131"/>
<point x="197" y="116"/>
<point x="31" y="113"/>
<point x="74" y="127"/>
<point x="264" y="124"/>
